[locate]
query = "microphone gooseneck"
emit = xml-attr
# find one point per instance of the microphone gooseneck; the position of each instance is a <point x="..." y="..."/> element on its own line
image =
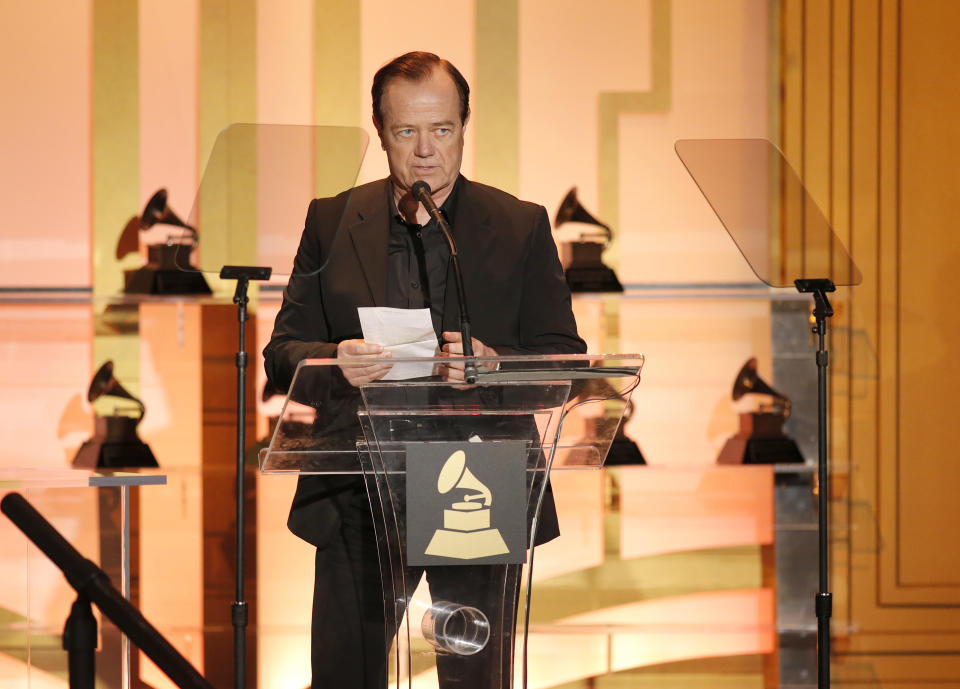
<point x="421" y="192"/>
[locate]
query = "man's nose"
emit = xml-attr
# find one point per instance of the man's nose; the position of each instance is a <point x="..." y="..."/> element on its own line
<point x="424" y="147"/>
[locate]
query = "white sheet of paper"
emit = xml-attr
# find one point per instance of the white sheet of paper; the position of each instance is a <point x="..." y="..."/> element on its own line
<point x="405" y="333"/>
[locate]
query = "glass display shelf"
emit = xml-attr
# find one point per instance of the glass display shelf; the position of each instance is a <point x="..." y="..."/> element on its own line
<point x="273" y="292"/>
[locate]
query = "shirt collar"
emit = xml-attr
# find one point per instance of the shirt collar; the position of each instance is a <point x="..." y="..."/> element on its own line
<point x="447" y="207"/>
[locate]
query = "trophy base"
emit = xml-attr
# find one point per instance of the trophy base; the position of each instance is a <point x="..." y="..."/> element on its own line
<point x="624" y="451"/>
<point x="754" y="450"/>
<point x="115" y="445"/>
<point x="467" y="545"/>
<point x="96" y="454"/>
<point x="592" y="279"/>
<point x="166" y="272"/>
<point x="152" y="280"/>
<point x="585" y="270"/>
<point x="761" y="440"/>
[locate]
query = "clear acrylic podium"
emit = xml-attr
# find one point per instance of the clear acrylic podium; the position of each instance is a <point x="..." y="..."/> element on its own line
<point x="456" y="478"/>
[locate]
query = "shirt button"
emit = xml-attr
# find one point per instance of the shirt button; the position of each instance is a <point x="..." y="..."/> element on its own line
<point x="415" y="285"/>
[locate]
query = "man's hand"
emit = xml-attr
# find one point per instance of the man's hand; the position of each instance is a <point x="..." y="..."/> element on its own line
<point x="360" y="373"/>
<point x="454" y="347"/>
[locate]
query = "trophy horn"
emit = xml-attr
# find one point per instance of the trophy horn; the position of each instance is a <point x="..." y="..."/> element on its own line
<point x="104" y="384"/>
<point x="157" y="212"/>
<point x="455" y="474"/>
<point x="748" y="381"/>
<point x="571" y="210"/>
<point x="129" y="240"/>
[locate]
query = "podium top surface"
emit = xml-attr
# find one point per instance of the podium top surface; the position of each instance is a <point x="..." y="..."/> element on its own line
<point x="504" y="368"/>
<point x="565" y="406"/>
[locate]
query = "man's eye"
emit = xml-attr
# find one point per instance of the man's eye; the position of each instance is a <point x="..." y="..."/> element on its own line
<point x="405" y="132"/>
<point x="443" y="131"/>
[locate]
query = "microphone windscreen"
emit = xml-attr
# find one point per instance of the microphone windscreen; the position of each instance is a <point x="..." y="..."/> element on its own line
<point x="420" y="188"/>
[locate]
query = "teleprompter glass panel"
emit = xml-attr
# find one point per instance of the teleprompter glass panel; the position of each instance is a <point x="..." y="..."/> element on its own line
<point x="767" y="211"/>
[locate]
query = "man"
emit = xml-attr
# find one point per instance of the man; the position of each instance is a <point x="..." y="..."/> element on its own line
<point x="377" y="246"/>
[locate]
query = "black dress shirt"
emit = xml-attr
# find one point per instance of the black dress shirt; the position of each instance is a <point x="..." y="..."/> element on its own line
<point x="417" y="260"/>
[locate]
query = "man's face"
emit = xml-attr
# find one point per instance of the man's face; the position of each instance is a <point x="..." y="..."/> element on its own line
<point x="421" y="132"/>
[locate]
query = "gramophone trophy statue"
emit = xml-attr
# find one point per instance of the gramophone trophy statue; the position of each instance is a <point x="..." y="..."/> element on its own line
<point x="761" y="439"/>
<point x="585" y="270"/>
<point x="115" y="443"/>
<point x="167" y="270"/>
<point x="466" y="531"/>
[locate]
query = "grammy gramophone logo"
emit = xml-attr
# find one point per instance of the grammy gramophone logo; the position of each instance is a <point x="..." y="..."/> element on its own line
<point x="466" y="503"/>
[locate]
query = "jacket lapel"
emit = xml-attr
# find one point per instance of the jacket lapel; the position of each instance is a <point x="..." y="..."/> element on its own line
<point x="367" y="222"/>
<point x="369" y="227"/>
<point x="471" y="233"/>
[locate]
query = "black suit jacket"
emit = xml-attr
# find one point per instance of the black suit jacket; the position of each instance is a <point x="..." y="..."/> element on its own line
<point x="516" y="293"/>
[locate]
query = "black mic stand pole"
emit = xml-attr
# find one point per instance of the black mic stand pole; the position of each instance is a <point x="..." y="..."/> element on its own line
<point x="80" y="643"/>
<point x="824" y="599"/>
<point x="470" y="365"/>
<point x="239" y="613"/>
<point x="421" y="192"/>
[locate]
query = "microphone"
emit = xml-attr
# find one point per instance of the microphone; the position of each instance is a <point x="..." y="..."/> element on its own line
<point x="421" y="192"/>
<point x="92" y="584"/>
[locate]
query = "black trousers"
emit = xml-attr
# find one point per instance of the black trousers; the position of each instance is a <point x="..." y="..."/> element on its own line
<point x="350" y="634"/>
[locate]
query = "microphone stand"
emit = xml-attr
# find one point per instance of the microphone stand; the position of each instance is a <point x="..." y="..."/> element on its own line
<point x="239" y="613"/>
<point x="80" y="643"/>
<point x="421" y="192"/>
<point x="470" y="365"/>
<point x="93" y="586"/>
<point x="824" y="599"/>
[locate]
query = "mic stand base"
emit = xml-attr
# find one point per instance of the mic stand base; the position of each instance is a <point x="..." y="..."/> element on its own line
<point x="470" y="365"/>
<point x="80" y="643"/>
<point x="470" y="372"/>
